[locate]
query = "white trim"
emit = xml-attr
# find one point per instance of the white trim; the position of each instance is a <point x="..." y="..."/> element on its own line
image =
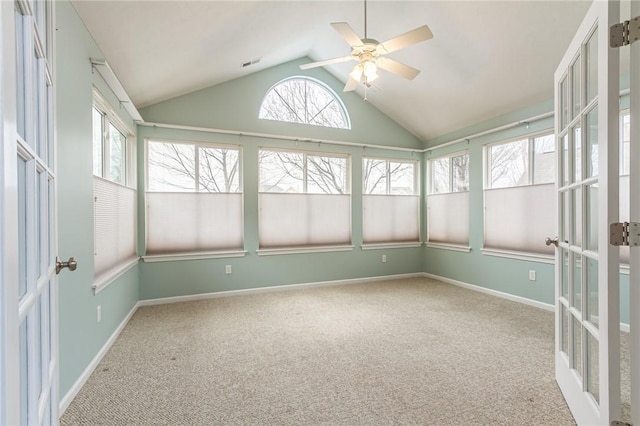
<point x="452" y="247"/>
<point x="517" y="255"/>
<point x="73" y="391"/>
<point x="512" y="297"/>
<point x="193" y="256"/>
<point x="382" y="246"/>
<point x="302" y="250"/>
<point x="105" y="279"/>
<point x="286" y="287"/>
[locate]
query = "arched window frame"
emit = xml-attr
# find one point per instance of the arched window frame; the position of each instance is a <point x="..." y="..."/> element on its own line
<point x="323" y="86"/>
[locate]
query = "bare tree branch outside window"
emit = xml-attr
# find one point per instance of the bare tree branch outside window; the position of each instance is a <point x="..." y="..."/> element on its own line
<point x="172" y="168"/>
<point x="509" y="164"/>
<point x="303" y="101"/>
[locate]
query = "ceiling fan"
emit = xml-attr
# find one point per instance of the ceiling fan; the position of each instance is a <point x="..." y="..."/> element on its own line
<point x="369" y="53"/>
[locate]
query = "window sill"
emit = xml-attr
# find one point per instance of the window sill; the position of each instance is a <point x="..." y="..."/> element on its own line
<point x="518" y="255"/>
<point x="302" y="250"/>
<point x="106" y="278"/>
<point x="193" y="256"/>
<point x="382" y="246"/>
<point x="452" y="247"/>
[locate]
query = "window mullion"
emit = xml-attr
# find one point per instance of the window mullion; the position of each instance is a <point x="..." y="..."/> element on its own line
<point x="388" y="171"/>
<point x="531" y="159"/>
<point x="304" y="173"/>
<point x="196" y="162"/>
<point x="450" y="174"/>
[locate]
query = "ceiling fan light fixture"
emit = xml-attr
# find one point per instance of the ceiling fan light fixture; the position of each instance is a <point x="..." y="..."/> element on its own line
<point x="370" y="69"/>
<point x="356" y="74"/>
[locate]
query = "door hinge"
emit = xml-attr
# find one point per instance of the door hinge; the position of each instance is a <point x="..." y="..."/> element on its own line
<point x="625" y="33"/>
<point x="624" y="234"/>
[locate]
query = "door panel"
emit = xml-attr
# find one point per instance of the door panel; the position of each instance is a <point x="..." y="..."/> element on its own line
<point x="587" y="294"/>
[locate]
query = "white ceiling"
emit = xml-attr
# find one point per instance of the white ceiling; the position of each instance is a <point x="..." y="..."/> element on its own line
<point x="486" y="58"/>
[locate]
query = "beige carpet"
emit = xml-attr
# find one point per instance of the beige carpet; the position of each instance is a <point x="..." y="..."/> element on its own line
<point x="412" y="351"/>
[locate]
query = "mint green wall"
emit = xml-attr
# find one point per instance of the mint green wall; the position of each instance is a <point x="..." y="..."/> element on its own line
<point x="184" y="277"/>
<point x="234" y="105"/>
<point x="81" y="336"/>
<point x="498" y="273"/>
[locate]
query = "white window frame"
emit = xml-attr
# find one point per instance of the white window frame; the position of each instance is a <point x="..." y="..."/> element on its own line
<point x="195" y="255"/>
<point x="348" y="192"/>
<point x="430" y="183"/>
<point x="110" y="116"/>
<point x="415" y="192"/>
<point x="530" y="138"/>
<point x="322" y="85"/>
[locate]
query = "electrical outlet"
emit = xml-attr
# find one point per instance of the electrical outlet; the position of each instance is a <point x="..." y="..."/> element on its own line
<point x="384" y="258"/>
<point x="227" y="269"/>
<point x="99" y="313"/>
<point x="532" y="275"/>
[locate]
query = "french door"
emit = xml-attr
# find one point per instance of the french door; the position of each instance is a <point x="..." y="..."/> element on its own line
<point x="587" y="267"/>
<point x="28" y="297"/>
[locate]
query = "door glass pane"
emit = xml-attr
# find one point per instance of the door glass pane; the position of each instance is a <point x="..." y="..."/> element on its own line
<point x="592" y="292"/>
<point x="36" y="321"/>
<point x="577" y="345"/>
<point x="22" y="226"/>
<point x="565" y="274"/>
<point x="45" y="348"/>
<point x="576" y="86"/>
<point x="40" y="108"/>
<point x="24" y="389"/>
<point x="592" y="66"/>
<point x="577" y="216"/>
<point x="577" y="154"/>
<point x="566" y="212"/>
<point x="625" y="140"/>
<point x="564" y="317"/>
<point x="45" y="243"/>
<point x="117" y="158"/>
<point x="592" y="217"/>
<point x="37" y="210"/>
<point x="576" y="299"/>
<point x="593" y="371"/>
<point x="564" y="103"/>
<point x="20" y="75"/>
<point x="97" y="143"/>
<point x="50" y="144"/>
<point x="592" y="143"/>
<point x="565" y="159"/>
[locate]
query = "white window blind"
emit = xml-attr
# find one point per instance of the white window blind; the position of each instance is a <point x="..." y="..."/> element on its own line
<point x="448" y="218"/>
<point x="390" y="218"/>
<point x="390" y="204"/>
<point x="297" y="220"/>
<point x="193" y="222"/>
<point x="520" y="218"/>
<point x="115" y="225"/>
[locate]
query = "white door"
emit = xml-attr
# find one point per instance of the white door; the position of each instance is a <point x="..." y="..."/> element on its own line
<point x="28" y="300"/>
<point x="634" y="258"/>
<point x="587" y="267"/>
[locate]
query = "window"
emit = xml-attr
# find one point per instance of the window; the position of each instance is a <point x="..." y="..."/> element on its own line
<point x="306" y="101"/>
<point x="448" y="200"/>
<point x="114" y="196"/>
<point x="390" y="201"/>
<point x="304" y="199"/>
<point x="194" y="198"/>
<point x="520" y="174"/>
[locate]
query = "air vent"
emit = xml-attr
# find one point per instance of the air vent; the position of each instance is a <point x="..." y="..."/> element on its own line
<point x="251" y="62"/>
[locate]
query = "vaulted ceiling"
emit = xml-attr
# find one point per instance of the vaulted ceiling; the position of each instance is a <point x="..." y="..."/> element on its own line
<point x="486" y="58"/>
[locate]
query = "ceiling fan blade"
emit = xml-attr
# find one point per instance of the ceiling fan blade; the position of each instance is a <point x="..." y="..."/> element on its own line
<point x="407" y="39"/>
<point x="397" y="68"/>
<point x="351" y="85"/>
<point x="347" y="33"/>
<point x="326" y="62"/>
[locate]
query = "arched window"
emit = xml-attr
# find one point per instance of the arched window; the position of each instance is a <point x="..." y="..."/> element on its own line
<point x="306" y="101"/>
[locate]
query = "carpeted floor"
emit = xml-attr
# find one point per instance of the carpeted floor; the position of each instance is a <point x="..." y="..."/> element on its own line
<point x="413" y="351"/>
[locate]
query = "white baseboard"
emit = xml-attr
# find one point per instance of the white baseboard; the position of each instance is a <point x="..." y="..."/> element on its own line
<point x="519" y="299"/>
<point x="66" y="400"/>
<point x="203" y="296"/>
